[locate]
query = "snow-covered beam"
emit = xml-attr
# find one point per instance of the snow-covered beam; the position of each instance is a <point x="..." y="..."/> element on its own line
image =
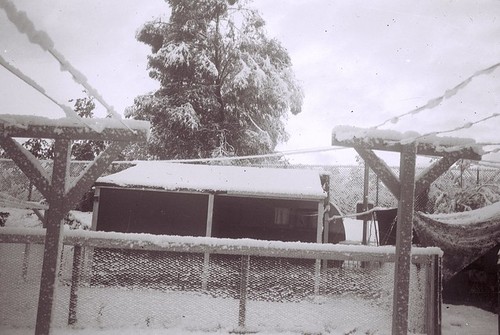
<point x="200" y="244"/>
<point x="389" y="140"/>
<point x="73" y="128"/>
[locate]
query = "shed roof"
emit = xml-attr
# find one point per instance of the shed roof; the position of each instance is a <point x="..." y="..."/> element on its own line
<point x="233" y="180"/>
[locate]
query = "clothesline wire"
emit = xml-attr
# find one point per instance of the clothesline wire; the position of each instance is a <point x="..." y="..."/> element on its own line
<point x="32" y="83"/>
<point x="436" y="101"/>
<point x="25" y="26"/>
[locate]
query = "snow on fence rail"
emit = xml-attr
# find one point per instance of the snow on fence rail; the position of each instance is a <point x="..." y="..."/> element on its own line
<point x="144" y="281"/>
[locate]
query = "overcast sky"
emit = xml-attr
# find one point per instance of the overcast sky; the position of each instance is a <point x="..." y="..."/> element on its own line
<point x="359" y="63"/>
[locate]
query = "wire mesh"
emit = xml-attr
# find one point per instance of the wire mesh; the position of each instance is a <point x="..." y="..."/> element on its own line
<point x="346" y="183"/>
<point x="20" y="274"/>
<point x="193" y="291"/>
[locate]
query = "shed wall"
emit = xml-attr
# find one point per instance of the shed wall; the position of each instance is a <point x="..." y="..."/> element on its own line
<point x="142" y="211"/>
<point x="246" y="217"/>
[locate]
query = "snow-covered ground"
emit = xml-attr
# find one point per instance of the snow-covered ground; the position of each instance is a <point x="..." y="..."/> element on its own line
<point x="456" y="319"/>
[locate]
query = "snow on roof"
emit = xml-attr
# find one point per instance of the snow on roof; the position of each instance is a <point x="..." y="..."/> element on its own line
<point x="368" y="135"/>
<point x="236" y="180"/>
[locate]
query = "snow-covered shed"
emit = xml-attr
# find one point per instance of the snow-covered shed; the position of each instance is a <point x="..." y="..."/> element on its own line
<point x="211" y="200"/>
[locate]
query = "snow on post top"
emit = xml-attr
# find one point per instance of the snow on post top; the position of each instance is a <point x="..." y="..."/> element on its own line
<point x="233" y="180"/>
<point x="392" y="140"/>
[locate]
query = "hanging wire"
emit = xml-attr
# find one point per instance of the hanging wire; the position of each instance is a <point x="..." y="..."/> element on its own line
<point x="275" y="154"/>
<point x="18" y="73"/>
<point x="436" y="101"/>
<point x="464" y="126"/>
<point x="25" y="26"/>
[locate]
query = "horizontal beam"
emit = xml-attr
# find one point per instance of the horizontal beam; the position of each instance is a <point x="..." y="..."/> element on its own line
<point x="219" y="246"/>
<point x="427" y="149"/>
<point x="74" y="129"/>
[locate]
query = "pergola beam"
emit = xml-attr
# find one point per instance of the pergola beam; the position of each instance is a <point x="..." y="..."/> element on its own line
<point x="72" y="129"/>
<point x="390" y="180"/>
<point x="424" y="148"/>
<point x="428" y="176"/>
<point x="27" y="163"/>
<point x="405" y="189"/>
<point x="84" y="182"/>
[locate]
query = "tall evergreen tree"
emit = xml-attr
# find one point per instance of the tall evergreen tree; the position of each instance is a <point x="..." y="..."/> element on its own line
<point x="225" y="88"/>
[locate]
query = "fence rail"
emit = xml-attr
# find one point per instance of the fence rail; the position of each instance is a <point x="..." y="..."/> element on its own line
<point x="252" y="285"/>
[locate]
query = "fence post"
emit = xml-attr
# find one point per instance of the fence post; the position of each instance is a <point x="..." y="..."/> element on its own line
<point x="26" y="259"/>
<point x="433" y="296"/>
<point x="404" y="232"/>
<point x="206" y="256"/>
<point x="75" y="283"/>
<point x="245" y="266"/>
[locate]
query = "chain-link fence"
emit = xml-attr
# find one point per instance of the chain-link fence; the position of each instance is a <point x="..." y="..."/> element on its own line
<point x="346" y="185"/>
<point x="14" y="182"/>
<point x="458" y="183"/>
<point x="214" y="285"/>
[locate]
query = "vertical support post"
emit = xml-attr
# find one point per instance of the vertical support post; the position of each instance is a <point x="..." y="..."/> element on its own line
<point x="319" y="233"/>
<point x="366" y="178"/>
<point x="208" y="233"/>
<point x="326" y="233"/>
<point x="433" y="296"/>
<point x="498" y="288"/>
<point x="75" y="283"/>
<point x="26" y="259"/>
<point x="325" y="183"/>
<point x="53" y="237"/>
<point x="245" y="268"/>
<point x="88" y="252"/>
<point x="404" y="239"/>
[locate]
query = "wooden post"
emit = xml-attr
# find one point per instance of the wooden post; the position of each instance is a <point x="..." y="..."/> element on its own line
<point x="245" y="267"/>
<point x="206" y="255"/>
<point x="88" y="252"/>
<point x="75" y="283"/>
<point x="325" y="182"/>
<point x="326" y="233"/>
<point x="433" y="296"/>
<point x="364" y="239"/>
<point x="319" y="233"/>
<point x="498" y="288"/>
<point x="26" y="259"/>
<point x="403" y="240"/>
<point x="53" y="237"/>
